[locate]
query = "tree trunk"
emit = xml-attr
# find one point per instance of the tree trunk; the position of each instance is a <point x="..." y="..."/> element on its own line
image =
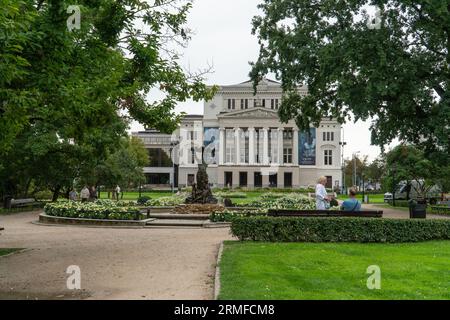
<point x="56" y="194"/>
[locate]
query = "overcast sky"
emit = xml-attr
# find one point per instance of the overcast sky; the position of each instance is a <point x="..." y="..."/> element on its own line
<point x="222" y="37"/>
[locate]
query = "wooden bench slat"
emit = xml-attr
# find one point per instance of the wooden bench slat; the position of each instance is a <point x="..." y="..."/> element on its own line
<point x="324" y="213"/>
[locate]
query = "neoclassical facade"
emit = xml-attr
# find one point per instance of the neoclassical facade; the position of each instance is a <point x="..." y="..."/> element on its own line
<point x="245" y="145"/>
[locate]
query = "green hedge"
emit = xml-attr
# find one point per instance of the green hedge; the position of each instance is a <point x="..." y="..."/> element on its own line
<point x="339" y="229"/>
<point x="229" y="215"/>
<point x="91" y="210"/>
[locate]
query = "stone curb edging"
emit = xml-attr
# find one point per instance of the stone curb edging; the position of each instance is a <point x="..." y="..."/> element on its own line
<point x="217" y="276"/>
<point x="52" y="220"/>
<point x="16" y="252"/>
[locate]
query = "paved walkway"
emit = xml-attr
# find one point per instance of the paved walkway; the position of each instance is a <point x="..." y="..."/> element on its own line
<point x="398" y="213"/>
<point x="115" y="263"/>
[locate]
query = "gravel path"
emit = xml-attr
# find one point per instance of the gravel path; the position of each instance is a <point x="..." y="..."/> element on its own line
<point x="398" y="213"/>
<point x="115" y="263"/>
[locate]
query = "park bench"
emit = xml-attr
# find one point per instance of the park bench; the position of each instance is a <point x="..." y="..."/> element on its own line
<point x="324" y="213"/>
<point x="25" y="203"/>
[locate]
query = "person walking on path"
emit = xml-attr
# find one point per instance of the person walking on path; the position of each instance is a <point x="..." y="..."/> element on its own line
<point x="351" y="204"/>
<point x="117" y="192"/>
<point x="322" y="198"/>
<point x="73" y="195"/>
<point x="85" y="194"/>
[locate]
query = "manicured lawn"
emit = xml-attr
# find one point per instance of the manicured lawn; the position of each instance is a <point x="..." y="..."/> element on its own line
<point x="251" y="270"/>
<point x="135" y="195"/>
<point x="7" y="251"/>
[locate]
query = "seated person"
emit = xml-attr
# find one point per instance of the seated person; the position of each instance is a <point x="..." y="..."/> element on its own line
<point x="351" y="204"/>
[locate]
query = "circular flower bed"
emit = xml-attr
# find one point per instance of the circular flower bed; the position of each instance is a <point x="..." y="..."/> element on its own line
<point x="290" y="201"/>
<point x="101" y="209"/>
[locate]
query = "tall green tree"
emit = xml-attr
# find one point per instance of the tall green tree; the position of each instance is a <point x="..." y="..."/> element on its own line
<point x="409" y="163"/>
<point x="66" y="96"/>
<point x="396" y="74"/>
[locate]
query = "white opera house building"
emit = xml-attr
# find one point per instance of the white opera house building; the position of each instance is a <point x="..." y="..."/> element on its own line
<point x="244" y="144"/>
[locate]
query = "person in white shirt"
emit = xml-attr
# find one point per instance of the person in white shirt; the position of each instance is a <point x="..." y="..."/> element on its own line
<point x="85" y="194"/>
<point x="322" y="198"/>
<point x="117" y="192"/>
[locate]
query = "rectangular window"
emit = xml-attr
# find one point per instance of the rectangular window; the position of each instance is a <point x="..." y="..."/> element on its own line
<point x="274" y="104"/>
<point x="328" y="157"/>
<point x="230" y="150"/>
<point x="192" y="155"/>
<point x="244" y="104"/>
<point x="264" y="103"/>
<point x="287" y="155"/>
<point x="328" y="136"/>
<point x="231" y="104"/>
<point x="244" y="145"/>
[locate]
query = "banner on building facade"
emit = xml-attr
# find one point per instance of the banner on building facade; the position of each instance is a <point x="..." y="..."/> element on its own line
<point x="307" y="147"/>
<point x="211" y="143"/>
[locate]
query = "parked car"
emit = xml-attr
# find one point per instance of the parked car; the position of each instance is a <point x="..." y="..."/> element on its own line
<point x="401" y="192"/>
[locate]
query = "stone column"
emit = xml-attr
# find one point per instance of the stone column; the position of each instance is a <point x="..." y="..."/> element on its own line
<point x="295" y="150"/>
<point x="221" y="146"/>
<point x="280" y="146"/>
<point x="251" y="146"/>
<point x="237" y="137"/>
<point x="266" y="146"/>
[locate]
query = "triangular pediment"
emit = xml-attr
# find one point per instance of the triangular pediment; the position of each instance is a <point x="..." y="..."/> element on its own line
<point x="252" y="113"/>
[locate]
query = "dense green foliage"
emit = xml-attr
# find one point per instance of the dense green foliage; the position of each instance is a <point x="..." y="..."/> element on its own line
<point x="407" y="163"/>
<point x="339" y="229"/>
<point x="103" y="209"/>
<point x="67" y="97"/>
<point x="337" y="271"/>
<point x="397" y="75"/>
<point x="228" y="215"/>
<point x="288" y="201"/>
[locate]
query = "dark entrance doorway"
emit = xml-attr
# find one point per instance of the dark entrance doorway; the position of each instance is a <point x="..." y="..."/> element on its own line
<point x="228" y="179"/>
<point x="329" y="182"/>
<point x="243" y="179"/>
<point x="273" y="180"/>
<point x="288" y="179"/>
<point x="258" y="180"/>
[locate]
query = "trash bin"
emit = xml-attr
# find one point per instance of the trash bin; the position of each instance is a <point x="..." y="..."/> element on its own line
<point x="417" y="210"/>
<point x="366" y="198"/>
<point x="7" y="202"/>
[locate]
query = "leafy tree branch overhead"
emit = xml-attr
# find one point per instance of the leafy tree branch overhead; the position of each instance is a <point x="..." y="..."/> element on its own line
<point x="67" y="95"/>
<point x="397" y="75"/>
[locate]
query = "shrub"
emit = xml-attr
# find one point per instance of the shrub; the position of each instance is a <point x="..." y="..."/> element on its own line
<point x="91" y="210"/>
<point x="43" y="195"/>
<point x="291" y="229"/>
<point x="143" y="200"/>
<point x="235" y="195"/>
<point x="169" y="201"/>
<point x="272" y="195"/>
<point x="229" y="215"/>
<point x="289" y="201"/>
<point x="115" y="203"/>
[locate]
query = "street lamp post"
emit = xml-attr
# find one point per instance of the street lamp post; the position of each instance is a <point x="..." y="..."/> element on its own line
<point x="343" y="144"/>
<point x="173" y="144"/>
<point x="394" y="167"/>
<point x="354" y="167"/>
